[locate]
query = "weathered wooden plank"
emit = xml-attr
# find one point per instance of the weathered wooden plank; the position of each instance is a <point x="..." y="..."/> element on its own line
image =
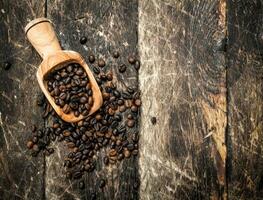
<point x="108" y="25"/>
<point x="245" y="82"/>
<point x="21" y="176"/>
<point x="182" y="80"/>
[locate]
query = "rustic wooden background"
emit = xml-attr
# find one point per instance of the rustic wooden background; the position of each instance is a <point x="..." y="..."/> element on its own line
<point x="201" y="77"/>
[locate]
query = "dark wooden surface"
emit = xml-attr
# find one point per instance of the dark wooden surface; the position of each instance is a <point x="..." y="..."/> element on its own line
<point x="201" y="77"/>
<point x="245" y="81"/>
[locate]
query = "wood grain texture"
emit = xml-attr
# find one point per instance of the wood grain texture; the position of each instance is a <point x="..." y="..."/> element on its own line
<point x="183" y="85"/>
<point x="109" y="26"/>
<point x="21" y="176"/>
<point x="245" y="82"/>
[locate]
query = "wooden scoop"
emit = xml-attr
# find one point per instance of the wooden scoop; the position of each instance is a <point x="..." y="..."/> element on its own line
<point x="41" y="35"/>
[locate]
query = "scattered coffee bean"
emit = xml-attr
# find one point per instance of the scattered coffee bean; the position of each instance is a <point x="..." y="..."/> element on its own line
<point x="30" y="144"/>
<point x="116" y="54"/>
<point x="131" y="59"/>
<point x="91" y="58"/>
<point x="101" y="63"/>
<point x="102" y="183"/>
<point x="153" y="120"/>
<point x="7" y="65"/>
<point x="137" y="65"/>
<point x="122" y="68"/>
<point x="83" y="40"/>
<point x="130" y="123"/>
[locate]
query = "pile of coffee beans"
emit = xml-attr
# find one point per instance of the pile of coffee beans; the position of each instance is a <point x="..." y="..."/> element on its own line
<point x="71" y="89"/>
<point x="112" y="127"/>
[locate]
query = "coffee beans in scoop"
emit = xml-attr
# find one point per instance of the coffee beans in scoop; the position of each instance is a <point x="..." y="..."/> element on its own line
<point x="71" y="89"/>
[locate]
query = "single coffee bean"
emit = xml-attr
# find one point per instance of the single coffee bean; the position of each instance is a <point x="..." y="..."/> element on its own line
<point x="50" y="150"/>
<point x="134" y="109"/>
<point x="137" y="65"/>
<point x="101" y="63"/>
<point x="120" y="156"/>
<point x="112" y="152"/>
<point x="122" y="108"/>
<point x="116" y="54"/>
<point x="106" y="160"/>
<point x="137" y="102"/>
<point x="153" y="120"/>
<point x="96" y="70"/>
<point x="77" y="175"/>
<point x="130" y="116"/>
<point x="135" y="152"/>
<point x="7" y="65"/>
<point x="131" y="59"/>
<point x="83" y="40"/>
<point x="127" y="153"/>
<point x="109" y="76"/>
<point x="30" y="144"/>
<point x="91" y="58"/>
<point x="35" y="148"/>
<point x="122" y="68"/>
<point x="130" y="123"/>
<point x="35" y="139"/>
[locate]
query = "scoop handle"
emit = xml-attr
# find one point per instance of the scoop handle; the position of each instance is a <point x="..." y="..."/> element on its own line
<point x="42" y="36"/>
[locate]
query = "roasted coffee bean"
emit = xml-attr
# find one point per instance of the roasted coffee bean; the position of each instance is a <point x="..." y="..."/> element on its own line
<point x="104" y="129"/>
<point x="122" y="108"/>
<point x="30" y="144"/>
<point x="127" y="153"/>
<point x="120" y="102"/>
<point x="50" y="150"/>
<point x="96" y="70"/>
<point x="117" y="93"/>
<point x="77" y="175"/>
<point x="112" y="152"/>
<point x="102" y="183"/>
<point x="135" y="152"/>
<point x="126" y="95"/>
<point x="130" y="123"/>
<point x="134" y="109"/>
<point x="116" y="54"/>
<point x="137" y="102"/>
<point x="109" y="76"/>
<point x="7" y="65"/>
<point x="137" y="65"/>
<point x="131" y="59"/>
<point x="122" y="68"/>
<point x="35" y="139"/>
<point x="153" y="120"/>
<point x="83" y="40"/>
<point x="106" y="160"/>
<point x="120" y="156"/>
<point x="91" y="58"/>
<point x="130" y="146"/>
<point x="81" y="185"/>
<point x="125" y="143"/>
<point x="35" y="148"/>
<point x="130" y="116"/>
<point x="101" y="63"/>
